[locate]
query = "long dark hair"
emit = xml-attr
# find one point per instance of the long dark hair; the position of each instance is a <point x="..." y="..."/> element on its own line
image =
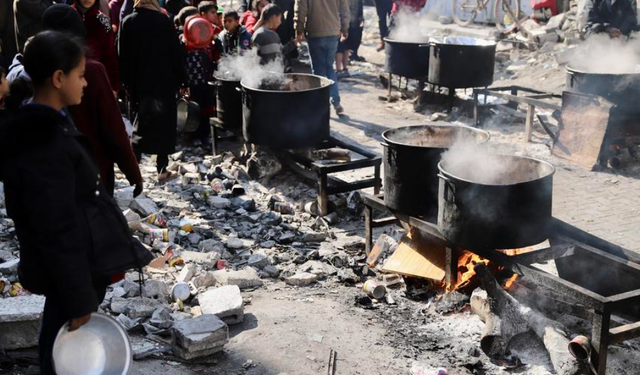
<point x="46" y="53"/>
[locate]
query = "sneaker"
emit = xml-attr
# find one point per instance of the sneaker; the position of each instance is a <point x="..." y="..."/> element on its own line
<point x="357" y="58"/>
<point x="343" y="74"/>
<point x="339" y="109"/>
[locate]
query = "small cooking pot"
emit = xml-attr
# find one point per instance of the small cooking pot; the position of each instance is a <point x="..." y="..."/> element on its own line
<point x="407" y="59"/>
<point x="188" y="115"/>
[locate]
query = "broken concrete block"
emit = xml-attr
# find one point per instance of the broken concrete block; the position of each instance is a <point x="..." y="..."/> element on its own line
<point x="144" y="206"/>
<point x="204" y="335"/>
<point x="301" y="279"/>
<point x="124" y="197"/>
<point x="258" y="260"/>
<point x="318" y="268"/>
<point x="224" y="302"/>
<point x="234" y="242"/>
<point x="136" y="307"/>
<point x="131" y="216"/>
<point x="155" y="289"/>
<point x="556" y="22"/>
<point x="204" y="280"/>
<point x="209" y="246"/>
<point x="218" y="202"/>
<point x="187" y="273"/>
<point x="245" y="278"/>
<point x="272" y="271"/>
<point x="207" y="260"/>
<point x="314" y="237"/>
<point x="10" y="267"/>
<point x="20" y="321"/>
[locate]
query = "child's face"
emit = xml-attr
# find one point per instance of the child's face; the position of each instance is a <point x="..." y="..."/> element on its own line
<point x="261" y="5"/>
<point x="211" y="16"/>
<point x="4" y="86"/>
<point x="230" y="24"/>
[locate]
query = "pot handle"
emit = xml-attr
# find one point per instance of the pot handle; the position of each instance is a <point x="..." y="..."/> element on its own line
<point x="450" y="189"/>
<point x="384" y="144"/>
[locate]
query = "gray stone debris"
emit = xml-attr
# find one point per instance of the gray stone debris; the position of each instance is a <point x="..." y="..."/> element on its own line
<point x="225" y="302"/>
<point x="244" y="279"/>
<point x="198" y="337"/>
<point x="207" y="260"/>
<point x="10" y="267"/>
<point x="20" y="321"/>
<point x="204" y="280"/>
<point x="144" y="206"/>
<point x="136" y="307"/>
<point x="218" y="202"/>
<point x="258" y="260"/>
<point x="301" y="279"/>
<point x="187" y="273"/>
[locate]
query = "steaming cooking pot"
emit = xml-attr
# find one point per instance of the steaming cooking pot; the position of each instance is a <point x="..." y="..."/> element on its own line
<point x="460" y="62"/>
<point x="407" y="59"/>
<point x="499" y="203"/>
<point x="620" y="89"/>
<point x="292" y="112"/>
<point x="411" y="157"/>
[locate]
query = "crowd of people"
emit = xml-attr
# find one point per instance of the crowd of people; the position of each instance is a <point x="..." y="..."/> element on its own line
<point x="73" y="73"/>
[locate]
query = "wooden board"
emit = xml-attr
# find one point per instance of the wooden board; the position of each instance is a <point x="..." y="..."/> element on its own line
<point x="582" y="130"/>
<point x="417" y="257"/>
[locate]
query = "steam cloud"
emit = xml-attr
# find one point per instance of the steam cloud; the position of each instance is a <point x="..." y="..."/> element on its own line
<point x="247" y="68"/>
<point x="407" y="27"/>
<point x="601" y="54"/>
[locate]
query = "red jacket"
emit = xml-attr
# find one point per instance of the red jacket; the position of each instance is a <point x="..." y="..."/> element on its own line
<point x="414" y="5"/>
<point x="248" y="20"/>
<point x="98" y="118"/>
<point x="101" y="42"/>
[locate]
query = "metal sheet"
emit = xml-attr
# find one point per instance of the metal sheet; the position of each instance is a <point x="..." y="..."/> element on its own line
<point x="582" y="130"/>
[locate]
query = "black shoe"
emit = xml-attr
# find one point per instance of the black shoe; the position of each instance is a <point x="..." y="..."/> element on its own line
<point x="357" y="58"/>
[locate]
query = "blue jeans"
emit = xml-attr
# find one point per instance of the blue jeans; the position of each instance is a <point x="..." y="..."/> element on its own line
<point x="323" y="54"/>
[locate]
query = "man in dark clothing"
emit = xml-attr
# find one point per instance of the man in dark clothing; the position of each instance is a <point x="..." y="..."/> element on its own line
<point x="8" y="47"/>
<point x="100" y="39"/>
<point x="28" y="19"/>
<point x="613" y="17"/>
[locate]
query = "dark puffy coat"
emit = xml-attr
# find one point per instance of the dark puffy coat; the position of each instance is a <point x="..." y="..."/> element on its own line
<point x="70" y="231"/>
<point x="7" y="32"/>
<point x="28" y="17"/>
<point x="620" y="14"/>
<point x="152" y="69"/>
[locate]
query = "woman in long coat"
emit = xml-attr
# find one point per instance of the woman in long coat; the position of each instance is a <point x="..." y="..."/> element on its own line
<point x="152" y="70"/>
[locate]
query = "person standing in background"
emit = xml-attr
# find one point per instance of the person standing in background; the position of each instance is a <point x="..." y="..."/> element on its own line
<point x="351" y="43"/>
<point x="28" y="19"/>
<point x="383" y="9"/>
<point x="100" y="39"/>
<point x="8" y="46"/>
<point x="235" y="39"/>
<point x="324" y="24"/>
<point x="115" y="6"/>
<point x="250" y="18"/>
<point x="152" y="71"/>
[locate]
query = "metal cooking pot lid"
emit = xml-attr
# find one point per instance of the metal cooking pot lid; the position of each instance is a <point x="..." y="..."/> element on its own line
<point x="464" y="41"/>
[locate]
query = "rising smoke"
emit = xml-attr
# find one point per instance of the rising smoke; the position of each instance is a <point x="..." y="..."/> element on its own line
<point x="247" y="68"/>
<point x="603" y="55"/>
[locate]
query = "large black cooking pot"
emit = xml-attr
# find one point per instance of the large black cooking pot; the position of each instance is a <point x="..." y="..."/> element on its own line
<point x="291" y="113"/>
<point x="411" y="157"/>
<point x="620" y="89"/>
<point x="460" y="62"/>
<point x="228" y="103"/>
<point x="407" y="59"/>
<point x="495" y="201"/>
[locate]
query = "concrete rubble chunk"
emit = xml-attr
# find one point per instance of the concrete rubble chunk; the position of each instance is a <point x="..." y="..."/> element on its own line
<point x="314" y="237"/>
<point x="218" y="202"/>
<point x="224" y="302"/>
<point x="20" y="321"/>
<point x="244" y="279"/>
<point x="301" y="279"/>
<point x="272" y="271"/>
<point x="258" y="260"/>
<point x="124" y="197"/>
<point x="207" y="260"/>
<point x="204" y="280"/>
<point x="318" y="268"/>
<point x="136" y="307"/>
<point x="201" y="336"/>
<point x="10" y="267"/>
<point x="235" y="243"/>
<point x="155" y="289"/>
<point x="144" y="206"/>
<point x="187" y="273"/>
<point x="209" y="246"/>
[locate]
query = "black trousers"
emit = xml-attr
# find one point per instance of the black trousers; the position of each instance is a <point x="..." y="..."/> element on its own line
<point x="162" y="160"/>
<point x="383" y="8"/>
<point x="53" y="318"/>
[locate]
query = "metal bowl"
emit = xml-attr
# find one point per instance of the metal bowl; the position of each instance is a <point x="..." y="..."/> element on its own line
<point x="100" y="347"/>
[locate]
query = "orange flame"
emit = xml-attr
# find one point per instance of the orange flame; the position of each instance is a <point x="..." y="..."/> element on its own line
<point x="511" y="280"/>
<point x="466" y="264"/>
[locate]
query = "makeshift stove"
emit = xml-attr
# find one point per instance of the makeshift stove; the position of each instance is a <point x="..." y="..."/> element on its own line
<point x="323" y="171"/>
<point x="578" y="257"/>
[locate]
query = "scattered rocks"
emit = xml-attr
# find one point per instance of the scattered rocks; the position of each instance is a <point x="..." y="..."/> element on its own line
<point x="225" y="302"/>
<point x="199" y="337"/>
<point x="302" y="279"/>
<point x="244" y="279"/>
<point x="20" y="321"/>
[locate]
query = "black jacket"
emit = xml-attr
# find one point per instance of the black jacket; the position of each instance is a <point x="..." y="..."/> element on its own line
<point x="71" y="232"/>
<point x="152" y="69"/>
<point x="620" y="14"/>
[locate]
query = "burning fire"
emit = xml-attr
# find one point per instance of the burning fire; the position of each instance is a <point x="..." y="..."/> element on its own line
<point x="511" y="280"/>
<point x="466" y="264"/>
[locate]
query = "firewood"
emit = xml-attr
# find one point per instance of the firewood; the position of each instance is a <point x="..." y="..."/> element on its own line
<point x="506" y="318"/>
